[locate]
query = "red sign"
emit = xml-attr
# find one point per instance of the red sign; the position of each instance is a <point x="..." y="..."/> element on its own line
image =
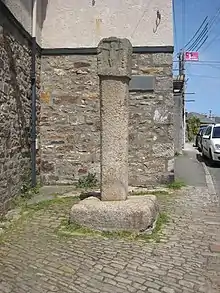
<point x="191" y="56"/>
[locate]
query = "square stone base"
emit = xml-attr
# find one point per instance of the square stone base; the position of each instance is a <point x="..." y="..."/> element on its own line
<point x="136" y="214"/>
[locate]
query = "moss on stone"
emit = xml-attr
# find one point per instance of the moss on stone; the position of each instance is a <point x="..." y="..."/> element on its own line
<point x="67" y="229"/>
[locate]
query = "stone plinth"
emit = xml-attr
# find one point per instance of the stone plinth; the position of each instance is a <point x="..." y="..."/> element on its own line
<point x="136" y="214"/>
<point x="114" y="70"/>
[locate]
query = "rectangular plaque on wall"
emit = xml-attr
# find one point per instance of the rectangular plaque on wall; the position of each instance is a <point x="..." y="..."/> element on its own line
<point x="142" y="83"/>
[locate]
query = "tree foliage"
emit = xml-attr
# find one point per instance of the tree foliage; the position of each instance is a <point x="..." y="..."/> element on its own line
<point x="193" y="124"/>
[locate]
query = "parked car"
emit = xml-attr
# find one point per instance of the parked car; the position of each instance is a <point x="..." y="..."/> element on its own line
<point x="211" y="143"/>
<point x="199" y="135"/>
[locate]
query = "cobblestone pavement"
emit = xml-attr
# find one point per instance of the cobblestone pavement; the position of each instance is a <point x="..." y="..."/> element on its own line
<point x="34" y="259"/>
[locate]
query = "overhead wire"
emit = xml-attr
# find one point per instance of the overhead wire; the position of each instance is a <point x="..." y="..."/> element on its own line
<point x="204" y="34"/>
<point x="201" y="44"/>
<point x="212" y="25"/>
<point x="211" y="42"/>
<point x="202" y="61"/>
<point x="214" y="19"/>
<point x="197" y="42"/>
<point x="217" y="66"/>
<point x="204" y="76"/>
<point x="190" y="74"/>
<point x="183" y="22"/>
<point x="195" y="34"/>
<point x="199" y="38"/>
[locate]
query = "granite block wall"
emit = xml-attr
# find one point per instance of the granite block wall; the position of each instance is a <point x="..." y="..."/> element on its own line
<point x="70" y="122"/>
<point x="15" y="111"/>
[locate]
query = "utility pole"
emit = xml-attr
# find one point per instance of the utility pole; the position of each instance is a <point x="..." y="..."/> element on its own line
<point x="182" y="77"/>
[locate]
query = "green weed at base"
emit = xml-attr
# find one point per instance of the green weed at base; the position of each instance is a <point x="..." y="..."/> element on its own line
<point x="67" y="229"/>
<point x="88" y="181"/>
<point x="176" y="185"/>
<point x="51" y="203"/>
<point x="154" y="192"/>
<point x="26" y="194"/>
<point x="160" y="194"/>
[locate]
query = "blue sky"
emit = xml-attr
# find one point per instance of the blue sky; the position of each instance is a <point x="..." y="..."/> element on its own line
<point x="203" y="76"/>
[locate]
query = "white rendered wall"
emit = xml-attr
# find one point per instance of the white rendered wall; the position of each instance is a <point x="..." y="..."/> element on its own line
<point x="22" y="10"/>
<point x="77" y="23"/>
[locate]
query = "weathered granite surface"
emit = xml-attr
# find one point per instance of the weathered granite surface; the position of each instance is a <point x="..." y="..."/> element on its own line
<point x="114" y="71"/>
<point x="70" y="120"/>
<point x="136" y="214"/>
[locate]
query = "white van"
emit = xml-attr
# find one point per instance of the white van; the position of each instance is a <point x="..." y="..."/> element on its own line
<point x="211" y="143"/>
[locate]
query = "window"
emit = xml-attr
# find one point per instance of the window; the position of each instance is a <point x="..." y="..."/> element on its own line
<point x="208" y="130"/>
<point x="203" y="130"/>
<point x="216" y="132"/>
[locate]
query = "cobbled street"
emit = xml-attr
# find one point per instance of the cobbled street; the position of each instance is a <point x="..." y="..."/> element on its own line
<point x="35" y="259"/>
<point x="97" y="95"/>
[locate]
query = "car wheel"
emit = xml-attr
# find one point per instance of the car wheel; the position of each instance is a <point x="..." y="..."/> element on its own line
<point x="211" y="161"/>
<point x="201" y="148"/>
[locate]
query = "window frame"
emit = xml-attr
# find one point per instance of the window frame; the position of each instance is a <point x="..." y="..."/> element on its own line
<point x="208" y="133"/>
<point x="213" y="131"/>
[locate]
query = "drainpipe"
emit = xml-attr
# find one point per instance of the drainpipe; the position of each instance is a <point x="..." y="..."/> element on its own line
<point x="33" y="95"/>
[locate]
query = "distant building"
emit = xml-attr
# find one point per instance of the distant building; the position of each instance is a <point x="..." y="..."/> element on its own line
<point x="217" y="119"/>
<point x="204" y="120"/>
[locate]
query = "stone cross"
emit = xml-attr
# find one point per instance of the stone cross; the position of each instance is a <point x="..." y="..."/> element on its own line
<point x="114" y="70"/>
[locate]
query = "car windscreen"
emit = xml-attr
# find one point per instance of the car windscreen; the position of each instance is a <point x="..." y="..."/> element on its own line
<point x="216" y="132"/>
<point x="203" y="130"/>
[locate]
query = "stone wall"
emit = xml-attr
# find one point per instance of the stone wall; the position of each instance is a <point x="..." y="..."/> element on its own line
<point x="178" y="123"/>
<point x="70" y="123"/>
<point x="15" y="111"/>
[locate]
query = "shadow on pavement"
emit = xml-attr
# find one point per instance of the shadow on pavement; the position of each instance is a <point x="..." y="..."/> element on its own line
<point x="207" y="161"/>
